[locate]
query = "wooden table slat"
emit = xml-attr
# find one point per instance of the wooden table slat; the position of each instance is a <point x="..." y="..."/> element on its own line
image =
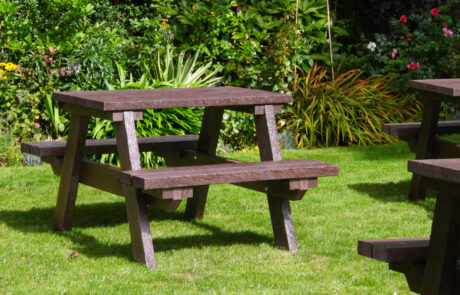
<point x="447" y="87"/>
<point x="141" y="99"/>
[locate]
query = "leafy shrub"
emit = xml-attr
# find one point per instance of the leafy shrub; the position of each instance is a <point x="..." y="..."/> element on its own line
<point x="238" y="130"/>
<point x="10" y="153"/>
<point x="421" y="46"/>
<point x="349" y="111"/>
<point x="20" y="102"/>
<point x="169" y="70"/>
<point x="256" y="41"/>
<point x="367" y="17"/>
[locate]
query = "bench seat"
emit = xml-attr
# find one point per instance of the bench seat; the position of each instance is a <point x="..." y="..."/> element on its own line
<point x="56" y="148"/>
<point x="227" y="173"/>
<point x="412" y="129"/>
<point x="407" y="256"/>
<point x="395" y="250"/>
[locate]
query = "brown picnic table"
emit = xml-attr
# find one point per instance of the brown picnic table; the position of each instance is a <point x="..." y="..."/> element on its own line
<point x="422" y="137"/>
<point x="431" y="264"/>
<point x="192" y="161"/>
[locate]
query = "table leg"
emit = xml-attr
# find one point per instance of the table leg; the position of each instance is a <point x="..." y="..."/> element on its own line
<point x="68" y="185"/>
<point x="207" y="143"/>
<point x="425" y="145"/>
<point x="280" y="210"/>
<point x="443" y="253"/>
<point x="136" y="206"/>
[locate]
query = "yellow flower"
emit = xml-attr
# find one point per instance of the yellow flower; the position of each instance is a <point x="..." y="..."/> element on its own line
<point x="11" y="66"/>
<point x="213" y="13"/>
<point x="5" y="78"/>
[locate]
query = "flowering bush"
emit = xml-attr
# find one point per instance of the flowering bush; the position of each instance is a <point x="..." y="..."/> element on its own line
<point x="421" y="46"/>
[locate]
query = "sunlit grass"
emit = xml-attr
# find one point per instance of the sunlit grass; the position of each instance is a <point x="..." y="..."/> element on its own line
<point x="231" y="250"/>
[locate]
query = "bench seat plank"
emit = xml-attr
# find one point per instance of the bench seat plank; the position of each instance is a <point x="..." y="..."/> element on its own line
<point x="227" y="173"/>
<point x="413" y="128"/>
<point x="395" y="250"/>
<point x="106" y="146"/>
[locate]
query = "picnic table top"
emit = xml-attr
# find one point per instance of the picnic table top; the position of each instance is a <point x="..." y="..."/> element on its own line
<point x="448" y="87"/>
<point x="140" y="99"/>
<point x="443" y="169"/>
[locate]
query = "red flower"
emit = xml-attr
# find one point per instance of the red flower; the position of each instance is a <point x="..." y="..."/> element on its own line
<point x="403" y="18"/>
<point x="410" y="35"/>
<point x="406" y="39"/>
<point x="434" y="11"/>
<point x="413" y="65"/>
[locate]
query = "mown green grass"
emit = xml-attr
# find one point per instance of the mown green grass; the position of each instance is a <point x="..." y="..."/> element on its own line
<point x="231" y="250"/>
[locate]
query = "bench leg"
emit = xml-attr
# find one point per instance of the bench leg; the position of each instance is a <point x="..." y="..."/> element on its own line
<point x="136" y="207"/>
<point x="68" y="185"/>
<point x="280" y="210"/>
<point x="425" y="144"/>
<point x="441" y="266"/>
<point x="207" y="143"/>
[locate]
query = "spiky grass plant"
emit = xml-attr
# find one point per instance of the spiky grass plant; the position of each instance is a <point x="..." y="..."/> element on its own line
<point x="347" y="111"/>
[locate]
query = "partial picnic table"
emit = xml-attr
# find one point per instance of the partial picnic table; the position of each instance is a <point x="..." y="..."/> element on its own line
<point x="431" y="265"/>
<point x="422" y="137"/>
<point x="164" y="188"/>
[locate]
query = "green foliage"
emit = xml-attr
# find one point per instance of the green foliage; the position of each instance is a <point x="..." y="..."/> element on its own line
<point x="238" y="131"/>
<point x="9" y="147"/>
<point x="167" y="71"/>
<point x="257" y="41"/>
<point x="426" y="46"/>
<point x="348" y="111"/>
<point x="20" y="103"/>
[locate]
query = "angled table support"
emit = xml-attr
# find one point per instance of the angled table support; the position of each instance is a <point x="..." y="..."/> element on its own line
<point x="68" y="184"/>
<point x="207" y="143"/>
<point x="136" y="207"/>
<point x="426" y="143"/>
<point x="280" y="210"/>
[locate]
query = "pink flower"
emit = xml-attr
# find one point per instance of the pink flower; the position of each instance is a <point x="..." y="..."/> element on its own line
<point x="447" y="32"/>
<point x="224" y="149"/>
<point x="413" y="65"/>
<point x="48" y="59"/>
<point x="52" y="50"/>
<point x="434" y="11"/>
<point x="394" y="53"/>
<point x="403" y="18"/>
<point x="282" y="122"/>
<point x="37" y="125"/>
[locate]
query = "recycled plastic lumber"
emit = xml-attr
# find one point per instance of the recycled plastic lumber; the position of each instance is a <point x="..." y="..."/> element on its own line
<point x="141" y="99"/>
<point x="407" y="256"/>
<point x="227" y="173"/>
<point x="108" y="146"/>
<point x="413" y="128"/>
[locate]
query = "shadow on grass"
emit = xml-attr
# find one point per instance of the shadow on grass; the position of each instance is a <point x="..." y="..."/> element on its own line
<point x="112" y="214"/>
<point x="394" y="192"/>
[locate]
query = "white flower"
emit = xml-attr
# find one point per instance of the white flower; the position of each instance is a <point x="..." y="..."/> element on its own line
<point x="372" y="46"/>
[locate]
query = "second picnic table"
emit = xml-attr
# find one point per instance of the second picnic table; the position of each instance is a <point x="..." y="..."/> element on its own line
<point x="282" y="181"/>
<point x="422" y="137"/>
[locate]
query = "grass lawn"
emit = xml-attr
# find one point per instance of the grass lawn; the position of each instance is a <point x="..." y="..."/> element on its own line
<point x="231" y="250"/>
